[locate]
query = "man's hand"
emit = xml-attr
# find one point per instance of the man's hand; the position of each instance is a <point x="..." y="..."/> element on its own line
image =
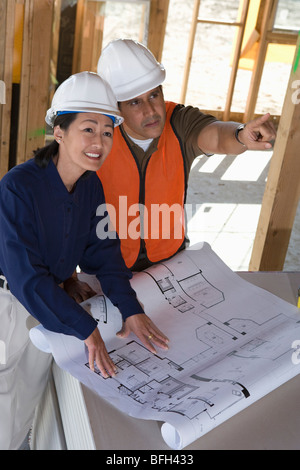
<point x="220" y="137"/>
<point x="258" y="134"/>
<point x="145" y="330"/>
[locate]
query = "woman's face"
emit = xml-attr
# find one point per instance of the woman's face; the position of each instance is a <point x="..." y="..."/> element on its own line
<point x="85" y="144"/>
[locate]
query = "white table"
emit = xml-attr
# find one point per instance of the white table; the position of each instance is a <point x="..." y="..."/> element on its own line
<point x="83" y="420"/>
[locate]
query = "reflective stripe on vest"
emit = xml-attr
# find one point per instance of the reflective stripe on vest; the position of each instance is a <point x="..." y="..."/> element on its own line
<point x="151" y="208"/>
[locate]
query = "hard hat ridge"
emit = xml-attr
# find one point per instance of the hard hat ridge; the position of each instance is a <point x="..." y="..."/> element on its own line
<point x="84" y="92"/>
<point x="130" y="68"/>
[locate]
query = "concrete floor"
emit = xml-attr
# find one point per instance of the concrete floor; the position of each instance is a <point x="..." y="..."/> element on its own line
<point x="224" y="202"/>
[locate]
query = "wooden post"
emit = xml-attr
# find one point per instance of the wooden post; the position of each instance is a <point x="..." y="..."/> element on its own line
<point x="282" y="191"/>
<point x="35" y="76"/>
<point x="54" y="49"/>
<point x="266" y="20"/>
<point x="236" y="58"/>
<point x="241" y="29"/>
<point x="88" y="35"/>
<point x="7" y="27"/>
<point x="189" y="56"/>
<point x="157" y="26"/>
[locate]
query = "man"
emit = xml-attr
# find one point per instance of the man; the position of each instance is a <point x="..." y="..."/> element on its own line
<point x="146" y="174"/>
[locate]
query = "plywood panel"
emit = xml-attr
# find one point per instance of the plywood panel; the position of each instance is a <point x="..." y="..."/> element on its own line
<point x="35" y="76"/>
<point x="7" y="21"/>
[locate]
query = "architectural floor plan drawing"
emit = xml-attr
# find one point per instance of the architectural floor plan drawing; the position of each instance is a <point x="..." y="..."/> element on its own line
<point x="230" y="344"/>
<point x="165" y="386"/>
<point x="185" y="287"/>
<point x="98" y="304"/>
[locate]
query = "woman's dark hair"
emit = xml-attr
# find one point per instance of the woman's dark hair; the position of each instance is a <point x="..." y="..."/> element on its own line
<point x="43" y="156"/>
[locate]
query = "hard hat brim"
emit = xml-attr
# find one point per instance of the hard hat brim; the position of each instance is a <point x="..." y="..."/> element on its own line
<point x="52" y="113"/>
<point x="84" y="92"/>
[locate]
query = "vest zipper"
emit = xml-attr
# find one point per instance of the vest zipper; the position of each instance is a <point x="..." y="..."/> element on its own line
<point x="141" y="198"/>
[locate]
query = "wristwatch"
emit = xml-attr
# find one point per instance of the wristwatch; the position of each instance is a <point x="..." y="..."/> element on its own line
<point x="237" y="131"/>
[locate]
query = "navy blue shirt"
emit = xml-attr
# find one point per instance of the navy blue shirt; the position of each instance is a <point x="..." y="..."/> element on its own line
<point x="45" y="233"/>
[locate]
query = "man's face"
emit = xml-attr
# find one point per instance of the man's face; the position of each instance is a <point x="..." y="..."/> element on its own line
<point x="145" y="115"/>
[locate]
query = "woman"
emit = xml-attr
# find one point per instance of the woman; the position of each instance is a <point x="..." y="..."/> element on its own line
<point x="48" y="226"/>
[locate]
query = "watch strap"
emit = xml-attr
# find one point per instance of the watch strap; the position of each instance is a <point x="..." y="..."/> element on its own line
<point x="237" y="131"/>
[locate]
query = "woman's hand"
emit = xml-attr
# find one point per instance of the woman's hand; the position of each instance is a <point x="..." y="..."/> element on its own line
<point x="99" y="355"/>
<point x="78" y="290"/>
<point x="145" y="330"/>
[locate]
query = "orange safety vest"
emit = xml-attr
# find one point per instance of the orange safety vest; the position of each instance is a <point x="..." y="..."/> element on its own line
<point x="149" y="208"/>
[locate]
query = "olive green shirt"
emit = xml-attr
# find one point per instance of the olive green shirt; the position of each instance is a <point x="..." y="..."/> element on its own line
<point x="187" y="122"/>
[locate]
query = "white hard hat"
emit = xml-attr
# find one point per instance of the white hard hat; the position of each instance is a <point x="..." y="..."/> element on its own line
<point x="84" y="92"/>
<point x="130" y="68"/>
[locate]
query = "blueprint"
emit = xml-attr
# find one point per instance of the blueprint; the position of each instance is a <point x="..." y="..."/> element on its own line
<point x="230" y="344"/>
